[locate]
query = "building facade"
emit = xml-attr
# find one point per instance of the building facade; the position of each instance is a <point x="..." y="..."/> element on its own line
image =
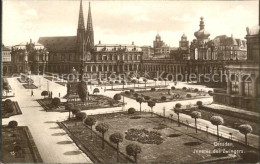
<point x="243" y="77"/>
<point x="68" y="52"/>
<point x="229" y="48"/>
<point x="148" y="52"/>
<point x="183" y="51"/>
<point x="160" y="48"/>
<point x="30" y="56"/>
<point x="6" y="60"/>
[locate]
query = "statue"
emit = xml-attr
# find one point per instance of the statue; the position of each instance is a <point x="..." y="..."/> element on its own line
<point x="247" y="30"/>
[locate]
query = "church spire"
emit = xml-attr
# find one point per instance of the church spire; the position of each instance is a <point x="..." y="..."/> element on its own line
<point x="81" y="17"/>
<point x="89" y="31"/>
<point x="89" y="22"/>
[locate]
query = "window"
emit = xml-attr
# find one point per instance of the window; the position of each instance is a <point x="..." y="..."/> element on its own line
<point x="234" y="84"/>
<point x="247" y="87"/>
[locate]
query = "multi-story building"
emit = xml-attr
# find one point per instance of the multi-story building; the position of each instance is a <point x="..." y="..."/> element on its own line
<point x="229" y="48"/>
<point x="115" y="58"/>
<point x="160" y="48"/>
<point x="183" y="51"/>
<point x="6" y="60"/>
<point x="243" y="77"/>
<point x="29" y="57"/>
<point x="148" y="52"/>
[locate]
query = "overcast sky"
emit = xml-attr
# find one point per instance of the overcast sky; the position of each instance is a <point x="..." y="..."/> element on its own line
<point x="122" y="22"/>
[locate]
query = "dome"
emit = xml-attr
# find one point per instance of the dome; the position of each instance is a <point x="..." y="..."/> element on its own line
<point x="158" y="36"/>
<point x="184" y="36"/>
<point x="202" y="33"/>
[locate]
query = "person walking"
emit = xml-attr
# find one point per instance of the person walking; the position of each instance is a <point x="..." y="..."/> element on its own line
<point x="51" y="94"/>
<point x="59" y="94"/>
<point x="32" y="93"/>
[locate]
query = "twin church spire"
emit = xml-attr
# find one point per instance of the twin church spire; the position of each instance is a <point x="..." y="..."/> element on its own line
<point x="85" y="37"/>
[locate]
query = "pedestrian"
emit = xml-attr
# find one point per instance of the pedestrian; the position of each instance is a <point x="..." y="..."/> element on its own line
<point x="51" y="94"/>
<point x="59" y="94"/>
<point x="32" y="93"/>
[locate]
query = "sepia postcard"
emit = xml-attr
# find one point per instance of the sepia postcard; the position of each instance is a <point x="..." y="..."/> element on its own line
<point x="105" y="81"/>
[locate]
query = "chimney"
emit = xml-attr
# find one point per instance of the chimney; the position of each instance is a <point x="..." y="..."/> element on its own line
<point x="99" y="42"/>
<point x="133" y="43"/>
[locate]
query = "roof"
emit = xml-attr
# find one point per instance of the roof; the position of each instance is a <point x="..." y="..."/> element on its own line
<point x="4" y="48"/>
<point x="23" y="45"/>
<point x="114" y="47"/>
<point x="230" y="41"/>
<point x="59" y="43"/>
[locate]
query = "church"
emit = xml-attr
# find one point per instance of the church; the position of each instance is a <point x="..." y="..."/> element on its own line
<point x="68" y="52"/>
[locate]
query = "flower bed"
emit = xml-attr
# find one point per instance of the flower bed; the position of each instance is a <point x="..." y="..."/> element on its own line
<point x="144" y="136"/>
<point x="166" y="95"/>
<point x="31" y="86"/>
<point x="19" y="136"/>
<point x="95" y="102"/>
<point x="171" y="149"/>
<point x="16" y="111"/>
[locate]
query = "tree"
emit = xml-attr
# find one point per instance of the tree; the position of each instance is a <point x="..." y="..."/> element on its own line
<point x="155" y="79"/>
<point x="199" y="103"/>
<point x="75" y="111"/>
<point x="96" y="90"/>
<point x="82" y="91"/>
<point x="44" y="93"/>
<point x="177" y="110"/>
<point x="117" y="97"/>
<point x="123" y="82"/>
<point x="151" y="104"/>
<point x="102" y="128"/>
<point x="133" y="150"/>
<point x="116" y="138"/>
<point x="90" y="121"/>
<point x="145" y="81"/>
<point x="245" y="129"/>
<point x="131" y="110"/>
<point x="12" y="124"/>
<point x="147" y="98"/>
<point x="163" y="98"/>
<point x="7" y="102"/>
<point x="133" y="81"/>
<point x="69" y="107"/>
<point x="140" y="101"/>
<point x="81" y="116"/>
<point x="196" y="115"/>
<point x="217" y="120"/>
<point x="136" y="95"/>
<point x="112" y="83"/>
<point x="55" y="101"/>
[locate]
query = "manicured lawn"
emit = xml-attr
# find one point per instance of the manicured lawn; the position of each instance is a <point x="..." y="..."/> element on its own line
<point x="16" y="111"/>
<point x="19" y="136"/>
<point x="31" y="86"/>
<point x="95" y="102"/>
<point x="160" y="139"/>
<point x="171" y="95"/>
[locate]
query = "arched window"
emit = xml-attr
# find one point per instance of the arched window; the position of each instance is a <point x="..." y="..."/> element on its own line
<point x="247" y="87"/>
<point x="234" y="84"/>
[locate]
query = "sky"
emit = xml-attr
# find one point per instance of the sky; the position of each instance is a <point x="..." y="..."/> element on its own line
<point x="121" y="22"/>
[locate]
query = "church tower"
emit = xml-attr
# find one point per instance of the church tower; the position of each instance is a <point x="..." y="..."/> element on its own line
<point x="89" y="34"/>
<point x="80" y="33"/>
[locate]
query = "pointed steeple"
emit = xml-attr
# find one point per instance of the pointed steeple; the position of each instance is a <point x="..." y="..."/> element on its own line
<point x="89" y="21"/>
<point x="81" y="17"/>
<point x="89" y="37"/>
